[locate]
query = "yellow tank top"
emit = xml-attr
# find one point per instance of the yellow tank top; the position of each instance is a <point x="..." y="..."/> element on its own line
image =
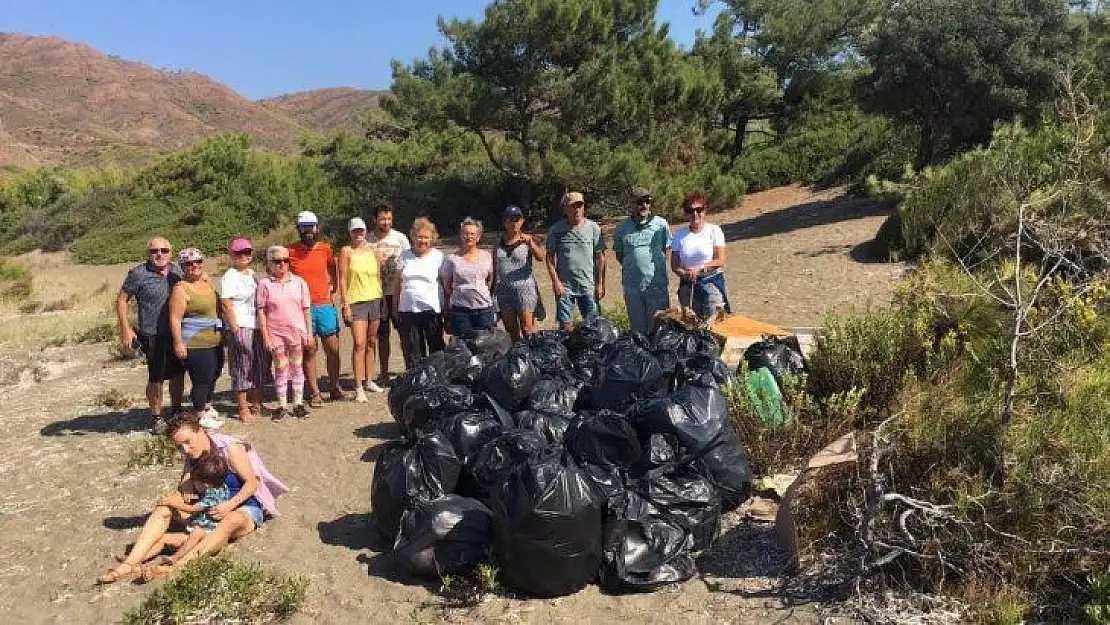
<point x="202" y="303"/>
<point x="364" y="283"/>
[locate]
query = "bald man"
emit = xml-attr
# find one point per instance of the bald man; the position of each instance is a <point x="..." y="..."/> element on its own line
<point x="150" y="284"/>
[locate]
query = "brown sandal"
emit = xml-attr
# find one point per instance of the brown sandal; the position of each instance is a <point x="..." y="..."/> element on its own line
<point x="317" y="401"/>
<point x="122" y="573"/>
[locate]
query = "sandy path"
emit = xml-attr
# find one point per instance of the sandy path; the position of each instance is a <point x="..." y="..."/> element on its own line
<point x="66" y="505"/>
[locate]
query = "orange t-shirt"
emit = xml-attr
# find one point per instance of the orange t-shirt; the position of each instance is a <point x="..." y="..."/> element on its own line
<point x="312" y="266"/>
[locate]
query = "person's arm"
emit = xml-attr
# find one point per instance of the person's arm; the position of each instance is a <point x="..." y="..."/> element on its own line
<point x="238" y="462"/>
<point x="263" y="322"/>
<point x="618" y="246"/>
<point x="718" y="240"/>
<point x="599" y="265"/>
<point x="332" y="279"/>
<point x="556" y="284"/>
<point x="445" y="274"/>
<point x="538" y="251"/>
<point x="309" y="339"/>
<point x="226" y="305"/>
<point x="123" y="324"/>
<point x="176" y="313"/>
<point x="176" y="501"/>
<point x="344" y="266"/>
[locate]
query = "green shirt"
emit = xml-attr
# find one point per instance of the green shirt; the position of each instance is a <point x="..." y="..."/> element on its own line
<point x="641" y="249"/>
<point x="575" y="250"/>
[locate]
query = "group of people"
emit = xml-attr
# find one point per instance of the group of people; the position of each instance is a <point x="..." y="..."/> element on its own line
<point x="273" y="325"/>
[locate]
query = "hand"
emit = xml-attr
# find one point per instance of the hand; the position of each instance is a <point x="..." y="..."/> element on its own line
<point x="557" y="285"/>
<point x="172" y="500"/>
<point x="527" y="238"/>
<point x="127" y="338"/>
<point x="268" y="346"/>
<point x="347" y="315"/>
<point x="599" y="291"/>
<point x="179" y="350"/>
<point x="220" y="511"/>
<point x="233" y="328"/>
<point x="307" y="340"/>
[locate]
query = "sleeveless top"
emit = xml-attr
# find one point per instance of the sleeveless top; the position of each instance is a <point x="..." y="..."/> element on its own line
<point x="204" y="306"/>
<point x="514" y="262"/>
<point x="364" y="282"/>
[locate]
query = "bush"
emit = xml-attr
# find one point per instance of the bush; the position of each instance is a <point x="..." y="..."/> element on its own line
<point x="220" y="589"/>
<point x="153" y="450"/>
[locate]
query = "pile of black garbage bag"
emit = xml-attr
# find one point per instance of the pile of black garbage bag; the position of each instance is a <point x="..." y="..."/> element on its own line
<point x="593" y="455"/>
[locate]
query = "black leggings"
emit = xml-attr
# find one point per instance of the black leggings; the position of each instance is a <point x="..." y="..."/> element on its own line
<point x="203" y="364"/>
<point x="421" y="333"/>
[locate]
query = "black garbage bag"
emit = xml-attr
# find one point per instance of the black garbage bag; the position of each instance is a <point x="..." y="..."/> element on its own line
<point x="591" y="336"/>
<point x="682" y="495"/>
<point x="693" y="416"/>
<point x="494" y="342"/>
<point x="644" y="554"/>
<point x="604" y="438"/>
<point x="411" y="470"/>
<point x="671" y="336"/>
<point x="547" y="527"/>
<point x="444" y="536"/>
<point x="780" y="355"/>
<point x="585" y="369"/>
<point x="469" y="431"/>
<point x="548" y="352"/>
<point x="627" y="371"/>
<point x="725" y="464"/>
<point x="509" y="379"/>
<point x="498" y="457"/>
<point x="551" y="425"/>
<point x="452" y="362"/>
<point x="554" y="394"/>
<point x="412" y="381"/>
<point x="704" y="370"/>
<point x="434" y="403"/>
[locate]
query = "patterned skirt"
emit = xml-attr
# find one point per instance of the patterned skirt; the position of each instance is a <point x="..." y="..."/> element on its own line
<point x="248" y="361"/>
<point x="519" y="296"/>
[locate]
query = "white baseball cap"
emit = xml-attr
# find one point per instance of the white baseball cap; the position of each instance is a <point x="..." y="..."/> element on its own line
<point x="307" y="218"/>
<point x="356" y="223"/>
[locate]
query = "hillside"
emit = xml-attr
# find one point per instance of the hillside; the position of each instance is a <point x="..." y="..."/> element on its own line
<point x="62" y="102"/>
<point x="323" y="110"/>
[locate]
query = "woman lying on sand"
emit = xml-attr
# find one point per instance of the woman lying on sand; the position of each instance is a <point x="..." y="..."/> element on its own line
<point x="236" y="516"/>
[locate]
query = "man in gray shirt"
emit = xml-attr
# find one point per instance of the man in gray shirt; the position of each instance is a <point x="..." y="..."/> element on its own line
<point x="149" y="284"/>
<point x="576" y="262"/>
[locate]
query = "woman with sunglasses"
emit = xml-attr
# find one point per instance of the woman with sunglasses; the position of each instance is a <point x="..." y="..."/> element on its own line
<point x="196" y="327"/>
<point x="698" y="259"/>
<point x="518" y="296"/>
<point x="248" y="362"/>
<point x="284" y="323"/>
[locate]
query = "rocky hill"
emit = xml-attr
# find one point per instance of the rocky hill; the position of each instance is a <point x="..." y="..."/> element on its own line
<point x="65" y="102"/>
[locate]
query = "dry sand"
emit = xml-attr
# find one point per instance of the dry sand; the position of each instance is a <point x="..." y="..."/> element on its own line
<point x="67" y="505"/>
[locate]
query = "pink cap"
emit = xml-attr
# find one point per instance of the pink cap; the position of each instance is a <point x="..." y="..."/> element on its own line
<point x="238" y="245"/>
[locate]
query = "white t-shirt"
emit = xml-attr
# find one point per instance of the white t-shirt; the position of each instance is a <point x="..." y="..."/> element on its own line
<point x="696" y="248"/>
<point x="239" y="287"/>
<point x="420" y="281"/>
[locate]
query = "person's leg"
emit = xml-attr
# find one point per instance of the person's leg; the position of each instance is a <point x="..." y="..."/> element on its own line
<point x="283" y="371"/>
<point x="634" y="304"/>
<point x="154" y="398"/>
<point x="359" y="360"/>
<point x="310" y="356"/>
<point x="204" y="366"/>
<point x="483" y="319"/>
<point x="371" y="355"/>
<point x="331" y="358"/>
<point x="191" y="541"/>
<point x="153" y="530"/>
<point x="233" y="527"/>
<point x="460" y="322"/>
<point x="294" y="351"/>
<point x="656" y="299"/>
<point x="527" y="323"/>
<point x="408" y="335"/>
<point x="173" y="370"/>
<point x="511" y="320"/>
<point x="433" y="332"/>
<point x="564" y="311"/>
<point x="587" y="306"/>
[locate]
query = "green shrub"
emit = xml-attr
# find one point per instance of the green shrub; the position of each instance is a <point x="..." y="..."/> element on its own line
<point x="618" y="315"/>
<point x="221" y="590"/>
<point x="15" y="281"/>
<point x="152" y="450"/>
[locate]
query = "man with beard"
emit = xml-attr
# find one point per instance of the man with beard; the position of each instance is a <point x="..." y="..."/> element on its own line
<point x="313" y="261"/>
<point x="150" y="284"/>
<point x="388" y="243"/>
<point x="642" y="244"/>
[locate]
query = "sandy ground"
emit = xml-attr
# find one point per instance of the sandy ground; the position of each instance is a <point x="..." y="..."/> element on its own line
<point x="67" y="505"/>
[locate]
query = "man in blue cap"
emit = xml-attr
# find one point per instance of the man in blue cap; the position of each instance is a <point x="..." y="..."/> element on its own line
<point x="642" y="244"/>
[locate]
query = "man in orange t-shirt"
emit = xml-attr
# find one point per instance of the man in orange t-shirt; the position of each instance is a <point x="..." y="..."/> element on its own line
<point x="314" y="262"/>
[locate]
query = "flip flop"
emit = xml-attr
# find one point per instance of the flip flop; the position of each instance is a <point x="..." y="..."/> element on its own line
<point x="122" y="573"/>
<point x="317" y="401"/>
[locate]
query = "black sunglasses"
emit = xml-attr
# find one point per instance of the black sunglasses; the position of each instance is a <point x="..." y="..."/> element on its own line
<point x="644" y="200"/>
<point x="159" y="250"/>
<point x="192" y="263"/>
<point x="695" y="209"/>
<point x="244" y="252"/>
<point x="279" y="261"/>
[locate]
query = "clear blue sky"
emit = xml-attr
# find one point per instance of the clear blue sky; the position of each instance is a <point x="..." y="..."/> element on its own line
<point x="266" y="48"/>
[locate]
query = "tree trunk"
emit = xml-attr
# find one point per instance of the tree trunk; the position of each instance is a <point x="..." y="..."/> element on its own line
<point x="738" y="139"/>
<point x="926" y="147"/>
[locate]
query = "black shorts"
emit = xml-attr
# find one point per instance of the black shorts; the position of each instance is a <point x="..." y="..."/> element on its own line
<point x="389" y="314"/>
<point x="161" y="363"/>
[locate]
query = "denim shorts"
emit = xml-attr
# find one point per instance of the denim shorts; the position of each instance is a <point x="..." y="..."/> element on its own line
<point x="565" y="305"/>
<point x="325" y="320"/>
<point x="254" y="511"/>
<point x="465" y="320"/>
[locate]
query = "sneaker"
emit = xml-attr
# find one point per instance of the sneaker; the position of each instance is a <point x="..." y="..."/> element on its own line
<point x="210" y="419"/>
<point x="360" y="396"/>
<point x="374" y="388"/>
<point x="281" y="413"/>
<point x="300" y="411"/>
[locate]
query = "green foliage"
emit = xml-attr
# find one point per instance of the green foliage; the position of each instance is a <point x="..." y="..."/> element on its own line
<point x="15" y="281"/>
<point x="954" y="67"/>
<point x="153" y="450"/>
<point x="220" y="589"/>
<point x="618" y="315"/>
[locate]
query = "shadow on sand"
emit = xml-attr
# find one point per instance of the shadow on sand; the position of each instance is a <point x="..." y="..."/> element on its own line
<point x="114" y="422"/>
<point x="808" y="215"/>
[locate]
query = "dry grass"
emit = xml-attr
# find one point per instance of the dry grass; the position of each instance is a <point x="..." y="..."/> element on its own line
<point x="70" y="301"/>
<point x="116" y="399"/>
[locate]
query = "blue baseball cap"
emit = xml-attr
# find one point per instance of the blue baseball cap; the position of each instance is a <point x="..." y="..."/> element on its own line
<point x="512" y="211"/>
